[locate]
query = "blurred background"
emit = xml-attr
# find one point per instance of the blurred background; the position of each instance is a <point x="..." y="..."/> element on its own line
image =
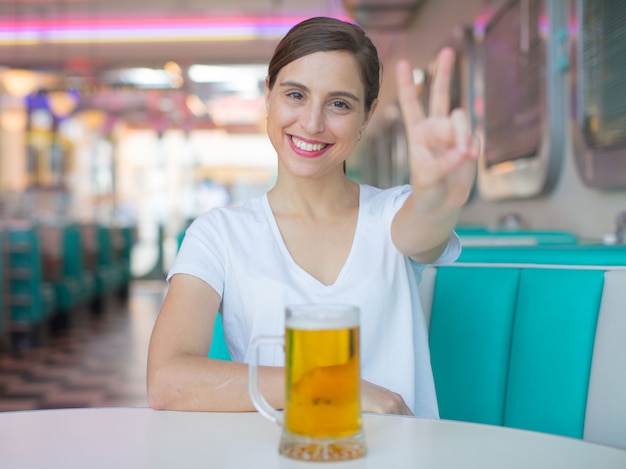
<point x="149" y="112"/>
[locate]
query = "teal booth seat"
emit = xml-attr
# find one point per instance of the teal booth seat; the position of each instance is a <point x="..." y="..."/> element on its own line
<point x="483" y="236"/>
<point x="30" y="301"/>
<point x="100" y="260"/>
<point x="179" y="238"/>
<point x="114" y="252"/>
<point x="470" y="333"/>
<point x="68" y="289"/>
<point x="551" y="349"/>
<point x="74" y="263"/>
<point x="513" y="346"/>
<point x="110" y="264"/>
<point x="513" y="334"/>
<point x="92" y="265"/>
<point x="219" y="350"/>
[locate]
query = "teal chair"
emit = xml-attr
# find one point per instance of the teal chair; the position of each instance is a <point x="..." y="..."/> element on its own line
<point x="31" y="302"/>
<point x="109" y="255"/>
<point x="74" y="263"/>
<point x="219" y="350"/>
<point x="97" y="255"/>
<point x="68" y="289"/>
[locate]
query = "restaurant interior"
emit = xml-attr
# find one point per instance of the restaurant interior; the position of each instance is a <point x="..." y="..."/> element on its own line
<point x="122" y="120"/>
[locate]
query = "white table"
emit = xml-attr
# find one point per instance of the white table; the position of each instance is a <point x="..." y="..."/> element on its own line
<point x="119" y="438"/>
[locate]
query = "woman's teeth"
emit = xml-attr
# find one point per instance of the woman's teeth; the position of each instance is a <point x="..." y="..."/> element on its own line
<point x="302" y="145"/>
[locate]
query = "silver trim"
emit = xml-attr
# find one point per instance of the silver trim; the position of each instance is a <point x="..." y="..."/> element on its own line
<point x="536" y="175"/>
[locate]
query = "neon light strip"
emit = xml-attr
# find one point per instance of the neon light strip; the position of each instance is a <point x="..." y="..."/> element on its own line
<point x="139" y="34"/>
<point x="154" y="21"/>
<point x="142" y="30"/>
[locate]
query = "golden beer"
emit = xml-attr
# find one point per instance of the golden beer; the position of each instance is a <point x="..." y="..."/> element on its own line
<point x="322" y="382"/>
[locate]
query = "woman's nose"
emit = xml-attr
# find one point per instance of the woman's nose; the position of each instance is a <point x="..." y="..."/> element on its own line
<point x="312" y="120"/>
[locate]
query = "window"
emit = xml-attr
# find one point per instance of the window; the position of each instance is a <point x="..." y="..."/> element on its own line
<point x="519" y="100"/>
<point x="598" y="112"/>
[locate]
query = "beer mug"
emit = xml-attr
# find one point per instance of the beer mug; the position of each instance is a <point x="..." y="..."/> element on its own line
<point x="322" y="415"/>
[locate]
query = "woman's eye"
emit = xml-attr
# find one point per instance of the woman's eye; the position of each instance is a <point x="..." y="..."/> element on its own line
<point x="340" y="104"/>
<point x="295" y="95"/>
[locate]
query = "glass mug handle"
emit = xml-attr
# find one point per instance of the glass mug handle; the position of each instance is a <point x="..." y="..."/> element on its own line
<point x="257" y="397"/>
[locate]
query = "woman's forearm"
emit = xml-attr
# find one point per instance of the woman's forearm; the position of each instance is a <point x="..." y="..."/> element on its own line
<point x="194" y="383"/>
<point x="422" y="236"/>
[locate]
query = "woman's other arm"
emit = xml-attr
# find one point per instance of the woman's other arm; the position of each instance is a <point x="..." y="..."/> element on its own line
<point x="180" y="376"/>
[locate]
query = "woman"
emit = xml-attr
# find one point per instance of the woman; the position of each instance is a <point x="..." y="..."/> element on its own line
<point x="317" y="236"/>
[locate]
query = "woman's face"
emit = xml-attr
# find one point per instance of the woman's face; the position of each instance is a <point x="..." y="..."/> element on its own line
<point x="315" y="112"/>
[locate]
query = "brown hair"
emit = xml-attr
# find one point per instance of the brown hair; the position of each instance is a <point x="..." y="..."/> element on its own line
<point x="321" y="34"/>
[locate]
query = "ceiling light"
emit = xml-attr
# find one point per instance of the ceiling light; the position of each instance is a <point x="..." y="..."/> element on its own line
<point x="19" y="82"/>
<point x="226" y="73"/>
<point x="141" y="77"/>
<point x="62" y="103"/>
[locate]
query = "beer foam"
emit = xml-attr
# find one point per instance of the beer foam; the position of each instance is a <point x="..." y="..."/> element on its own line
<point x="321" y="320"/>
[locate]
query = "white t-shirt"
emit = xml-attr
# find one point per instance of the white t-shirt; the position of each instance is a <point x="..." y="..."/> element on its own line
<point x="239" y="251"/>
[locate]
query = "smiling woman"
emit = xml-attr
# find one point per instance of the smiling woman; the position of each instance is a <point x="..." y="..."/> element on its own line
<point x="318" y="237"/>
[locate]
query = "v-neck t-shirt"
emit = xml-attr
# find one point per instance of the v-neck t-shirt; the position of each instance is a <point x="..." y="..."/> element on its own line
<point x="239" y="251"/>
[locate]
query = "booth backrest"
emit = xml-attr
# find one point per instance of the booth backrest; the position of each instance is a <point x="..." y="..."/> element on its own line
<point x="485" y="236"/>
<point x="589" y="255"/>
<point x="29" y="300"/>
<point x="532" y="338"/>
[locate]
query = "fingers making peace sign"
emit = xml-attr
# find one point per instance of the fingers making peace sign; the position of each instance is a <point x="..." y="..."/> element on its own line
<point x="442" y="151"/>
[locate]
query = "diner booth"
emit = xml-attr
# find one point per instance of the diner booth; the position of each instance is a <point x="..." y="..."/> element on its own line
<point x="54" y="273"/>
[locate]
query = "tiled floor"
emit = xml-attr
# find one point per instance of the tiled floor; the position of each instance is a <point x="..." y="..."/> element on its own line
<point x="99" y="362"/>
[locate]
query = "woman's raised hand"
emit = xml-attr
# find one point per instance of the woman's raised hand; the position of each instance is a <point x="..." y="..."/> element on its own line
<point x="442" y="151"/>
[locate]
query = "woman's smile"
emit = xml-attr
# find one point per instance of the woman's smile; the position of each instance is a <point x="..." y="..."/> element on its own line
<point x="306" y="148"/>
